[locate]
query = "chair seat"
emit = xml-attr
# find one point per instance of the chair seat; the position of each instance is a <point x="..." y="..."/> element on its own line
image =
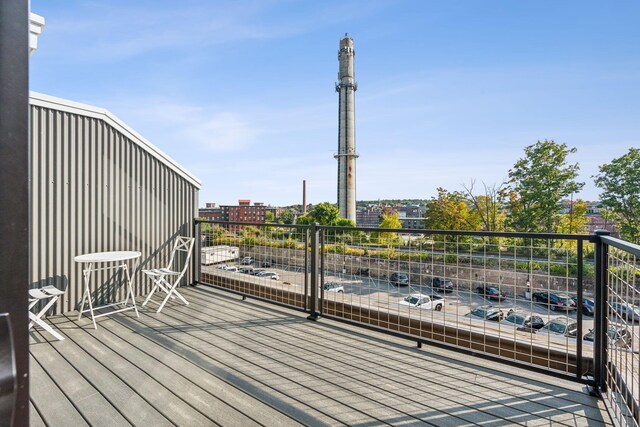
<point x="161" y="272"/>
<point x="44" y="292"/>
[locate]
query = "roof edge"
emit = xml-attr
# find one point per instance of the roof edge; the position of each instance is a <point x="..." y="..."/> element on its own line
<point x="60" y="104"/>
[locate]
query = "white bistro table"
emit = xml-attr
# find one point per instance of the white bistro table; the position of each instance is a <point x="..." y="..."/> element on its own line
<point x="118" y="260"/>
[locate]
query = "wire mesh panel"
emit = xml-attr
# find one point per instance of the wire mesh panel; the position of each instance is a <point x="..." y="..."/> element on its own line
<point x="623" y="331"/>
<point x="525" y="299"/>
<point x="264" y="261"/>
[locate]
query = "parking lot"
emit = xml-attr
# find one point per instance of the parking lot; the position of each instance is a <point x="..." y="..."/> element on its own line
<point x="383" y="296"/>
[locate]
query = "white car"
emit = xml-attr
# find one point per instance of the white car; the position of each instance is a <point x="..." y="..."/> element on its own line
<point x="333" y="287"/>
<point x="268" y="275"/>
<point x="222" y="267"/>
<point x="427" y="302"/>
<point x="232" y="269"/>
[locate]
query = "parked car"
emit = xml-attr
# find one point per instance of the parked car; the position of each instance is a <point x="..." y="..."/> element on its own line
<point x="425" y="302"/>
<point x="523" y="321"/>
<point x="618" y="336"/>
<point x="256" y="271"/>
<point x="442" y="285"/>
<point x="333" y="287"/>
<point x="487" y="312"/>
<point x="246" y="270"/>
<point x="268" y="275"/>
<point x="627" y="312"/>
<point x="363" y="272"/>
<point x="560" y="326"/>
<point x="233" y="268"/>
<point x="556" y="302"/>
<point x="588" y="304"/>
<point x="491" y="292"/>
<point x="264" y="264"/>
<point x="399" y="279"/>
<point x="247" y="260"/>
<point x="222" y="267"/>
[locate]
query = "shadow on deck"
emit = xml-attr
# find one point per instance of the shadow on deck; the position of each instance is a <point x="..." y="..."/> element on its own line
<point x="223" y="361"/>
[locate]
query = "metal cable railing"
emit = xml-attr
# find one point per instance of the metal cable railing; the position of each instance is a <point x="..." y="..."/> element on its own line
<point x="531" y="300"/>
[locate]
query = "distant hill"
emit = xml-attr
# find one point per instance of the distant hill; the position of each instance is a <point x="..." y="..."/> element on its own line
<point x="392" y="202"/>
<point x="363" y="203"/>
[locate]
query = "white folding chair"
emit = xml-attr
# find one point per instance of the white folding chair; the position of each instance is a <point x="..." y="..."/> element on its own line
<point x="161" y="276"/>
<point x="35" y="296"/>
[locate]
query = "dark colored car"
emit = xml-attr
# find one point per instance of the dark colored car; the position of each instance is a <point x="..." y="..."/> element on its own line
<point x="399" y="279"/>
<point x="588" y="305"/>
<point x="363" y="272"/>
<point x="524" y="321"/>
<point x="491" y="292"/>
<point x="442" y="285"/>
<point x="556" y="302"/>
<point x="627" y="312"/>
<point x="487" y="312"/>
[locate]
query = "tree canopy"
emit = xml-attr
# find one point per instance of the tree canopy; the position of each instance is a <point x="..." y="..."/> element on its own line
<point x="323" y="213"/>
<point x="449" y="211"/>
<point x="620" y="184"/>
<point x="537" y="183"/>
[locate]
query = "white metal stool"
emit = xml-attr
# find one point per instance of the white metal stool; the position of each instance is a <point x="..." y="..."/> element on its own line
<point x="36" y="295"/>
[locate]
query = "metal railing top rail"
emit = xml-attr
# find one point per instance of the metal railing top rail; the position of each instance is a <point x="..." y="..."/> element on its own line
<point x="528" y="235"/>
<point x="465" y="232"/>
<point x="621" y="244"/>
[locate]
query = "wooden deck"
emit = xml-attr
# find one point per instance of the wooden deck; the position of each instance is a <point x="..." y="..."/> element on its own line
<point x="224" y="361"/>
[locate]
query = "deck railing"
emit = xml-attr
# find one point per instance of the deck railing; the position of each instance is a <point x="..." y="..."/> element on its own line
<point x="619" y="373"/>
<point x="531" y="300"/>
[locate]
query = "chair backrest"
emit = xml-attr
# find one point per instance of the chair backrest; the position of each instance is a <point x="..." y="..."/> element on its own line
<point x="182" y="244"/>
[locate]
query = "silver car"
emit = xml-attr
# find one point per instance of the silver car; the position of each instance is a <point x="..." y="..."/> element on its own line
<point x="268" y="275"/>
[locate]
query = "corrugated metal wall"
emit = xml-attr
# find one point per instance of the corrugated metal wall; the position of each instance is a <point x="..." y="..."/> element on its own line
<point x="95" y="189"/>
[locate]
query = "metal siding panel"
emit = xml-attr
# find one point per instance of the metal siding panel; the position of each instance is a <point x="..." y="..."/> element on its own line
<point x="93" y="189"/>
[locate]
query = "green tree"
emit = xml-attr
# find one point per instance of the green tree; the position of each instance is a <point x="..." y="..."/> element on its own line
<point x="620" y="184"/>
<point x="344" y="222"/>
<point x="449" y="211"/>
<point x="323" y="213"/>
<point x="537" y="183"/>
<point x="575" y="220"/>
<point x="488" y="207"/>
<point x="389" y="220"/>
<point x="269" y="216"/>
<point x="287" y="217"/>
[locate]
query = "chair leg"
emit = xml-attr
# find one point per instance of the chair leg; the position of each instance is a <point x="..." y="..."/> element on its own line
<point x="181" y="297"/>
<point x="35" y="319"/>
<point x="153" y="290"/>
<point x="44" y="309"/>
<point x="170" y="294"/>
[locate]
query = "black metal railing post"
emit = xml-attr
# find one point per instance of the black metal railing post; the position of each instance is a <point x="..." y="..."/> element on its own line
<point x="197" y="251"/>
<point x="600" y="316"/>
<point x="580" y="295"/>
<point x="314" y="272"/>
<point x="306" y="270"/>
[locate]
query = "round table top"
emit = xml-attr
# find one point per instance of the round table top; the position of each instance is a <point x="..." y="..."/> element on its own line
<point x="108" y="256"/>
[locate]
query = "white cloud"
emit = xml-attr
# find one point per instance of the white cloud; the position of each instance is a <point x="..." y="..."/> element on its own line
<point x="226" y="131"/>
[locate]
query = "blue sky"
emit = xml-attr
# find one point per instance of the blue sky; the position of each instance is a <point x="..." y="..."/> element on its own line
<point x="241" y="93"/>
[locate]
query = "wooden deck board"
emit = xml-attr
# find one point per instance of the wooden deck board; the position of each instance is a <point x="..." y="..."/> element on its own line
<point x="224" y="361"/>
<point x="93" y="407"/>
<point x="34" y="417"/>
<point x="187" y="378"/>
